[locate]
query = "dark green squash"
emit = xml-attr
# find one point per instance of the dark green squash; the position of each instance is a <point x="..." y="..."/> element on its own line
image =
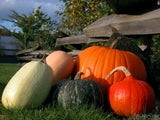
<point x="77" y="93"/>
<point x="132" y="6"/>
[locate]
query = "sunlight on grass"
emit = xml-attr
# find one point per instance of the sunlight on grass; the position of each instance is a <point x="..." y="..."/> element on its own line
<point x="57" y="112"/>
<point x="6" y="72"/>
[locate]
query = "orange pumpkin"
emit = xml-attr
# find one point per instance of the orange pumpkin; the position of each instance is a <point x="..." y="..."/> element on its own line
<point x="61" y="63"/>
<point x="96" y="62"/>
<point x="130" y="96"/>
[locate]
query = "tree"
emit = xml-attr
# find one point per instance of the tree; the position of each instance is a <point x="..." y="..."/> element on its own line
<point x="77" y="14"/>
<point x="36" y="27"/>
<point x="3" y="32"/>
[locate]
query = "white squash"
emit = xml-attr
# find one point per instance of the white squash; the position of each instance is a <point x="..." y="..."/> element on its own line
<point x="29" y="87"/>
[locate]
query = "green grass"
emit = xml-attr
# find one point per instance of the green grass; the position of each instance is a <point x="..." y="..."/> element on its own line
<point x="6" y="72"/>
<point x="57" y="112"/>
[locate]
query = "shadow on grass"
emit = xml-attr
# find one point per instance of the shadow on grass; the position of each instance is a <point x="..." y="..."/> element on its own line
<point x="2" y="86"/>
<point x="8" y="59"/>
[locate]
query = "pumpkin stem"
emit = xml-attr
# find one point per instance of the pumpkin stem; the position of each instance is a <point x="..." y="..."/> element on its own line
<point x="122" y="68"/>
<point x="78" y="76"/>
<point x="43" y="59"/>
<point x="114" y="44"/>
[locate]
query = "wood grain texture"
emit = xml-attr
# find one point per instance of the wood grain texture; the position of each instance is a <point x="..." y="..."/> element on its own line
<point x="77" y="40"/>
<point x="147" y="23"/>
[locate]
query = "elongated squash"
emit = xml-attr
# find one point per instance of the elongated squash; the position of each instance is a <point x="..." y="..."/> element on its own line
<point x="29" y="87"/>
<point x="61" y="63"/>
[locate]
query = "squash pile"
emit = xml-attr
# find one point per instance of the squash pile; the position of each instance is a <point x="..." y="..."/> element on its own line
<point x="31" y="85"/>
<point x="125" y="91"/>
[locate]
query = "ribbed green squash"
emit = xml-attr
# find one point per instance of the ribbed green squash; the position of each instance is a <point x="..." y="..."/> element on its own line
<point x="77" y="93"/>
<point x="29" y="87"/>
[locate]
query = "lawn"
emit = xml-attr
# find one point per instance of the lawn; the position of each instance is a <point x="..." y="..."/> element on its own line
<point x="57" y="112"/>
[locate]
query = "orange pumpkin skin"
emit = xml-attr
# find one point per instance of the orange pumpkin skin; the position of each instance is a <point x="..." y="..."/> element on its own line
<point x="130" y="97"/>
<point x="61" y="63"/>
<point x="96" y="62"/>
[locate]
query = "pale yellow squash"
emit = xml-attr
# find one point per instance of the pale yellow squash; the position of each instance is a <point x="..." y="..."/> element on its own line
<point x="29" y="87"/>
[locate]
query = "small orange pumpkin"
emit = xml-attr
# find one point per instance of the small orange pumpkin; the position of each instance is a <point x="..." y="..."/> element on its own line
<point x="61" y="63"/>
<point x="130" y="96"/>
<point x="96" y="62"/>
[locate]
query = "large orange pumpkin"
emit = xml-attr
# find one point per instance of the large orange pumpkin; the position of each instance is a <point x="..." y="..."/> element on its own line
<point x="96" y="62"/>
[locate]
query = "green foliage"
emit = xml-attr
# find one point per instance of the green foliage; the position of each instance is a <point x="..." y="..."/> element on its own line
<point x="36" y="27"/>
<point x="76" y="15"/>
<point x="54" y="113"/>
<point x="6" y="72"/>
<point x="58" y="113"/>
<point x="156" y="53"/>
<point x="4" y="32"/>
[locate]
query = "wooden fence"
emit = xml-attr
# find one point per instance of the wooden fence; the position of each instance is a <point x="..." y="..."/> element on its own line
<point x="141" y="26"/>
<point x="32" y="54"/>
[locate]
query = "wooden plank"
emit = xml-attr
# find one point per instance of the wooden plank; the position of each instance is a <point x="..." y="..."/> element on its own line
<point x="43" y="52"/>
<point x="36" y="59"/>
<point x="77" y="40"/>
<point x="25" y="51"/>
<point x="25" y="58"/>
<point x="74" y="52"/>
<point x="147" y="23"/>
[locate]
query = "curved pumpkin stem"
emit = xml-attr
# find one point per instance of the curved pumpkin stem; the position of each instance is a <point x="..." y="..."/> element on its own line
<point x="122" y="68"/>
<point x="114" y="43"/>
<point x="78" y="76"/>
<point x="43" y="59"/>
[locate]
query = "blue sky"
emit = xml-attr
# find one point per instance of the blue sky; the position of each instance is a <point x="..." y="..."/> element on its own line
<point x="26" y="7"/>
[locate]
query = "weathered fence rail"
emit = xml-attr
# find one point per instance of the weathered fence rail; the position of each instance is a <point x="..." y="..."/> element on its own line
<point x="141" y="26"/>
<point x="78" y="39"/>
<point x="28" y="55"/>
